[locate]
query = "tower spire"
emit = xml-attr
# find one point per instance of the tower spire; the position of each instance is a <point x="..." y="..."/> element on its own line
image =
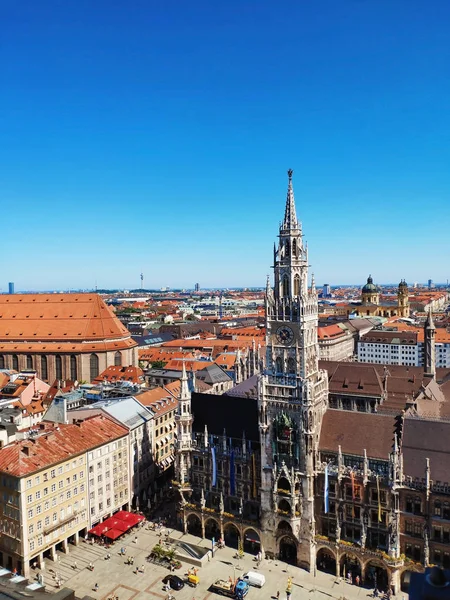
<point x="290" y="216"/>
<point x="184" y="387"/>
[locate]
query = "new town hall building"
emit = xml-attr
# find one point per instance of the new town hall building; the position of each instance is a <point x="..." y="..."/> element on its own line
<point x="336" y="466"/>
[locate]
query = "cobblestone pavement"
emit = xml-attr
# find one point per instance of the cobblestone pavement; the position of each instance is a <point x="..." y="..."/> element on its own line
<point x="115" y="577"/>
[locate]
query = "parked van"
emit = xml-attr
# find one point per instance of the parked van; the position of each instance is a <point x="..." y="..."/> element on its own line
<point x="255" y="579"/>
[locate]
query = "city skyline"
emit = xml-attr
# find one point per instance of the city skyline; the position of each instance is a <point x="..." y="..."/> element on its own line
<point x="156" y="139"/>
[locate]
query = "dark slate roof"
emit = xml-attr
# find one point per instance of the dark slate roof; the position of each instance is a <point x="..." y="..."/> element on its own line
<point x="213" y="374"/>
<point x="152" y="340"/>
<point x="356" y="432"/>
<point x="246" y="389"/>
<point x="424" y="439"/>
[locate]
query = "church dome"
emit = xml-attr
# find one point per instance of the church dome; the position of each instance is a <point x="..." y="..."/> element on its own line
<point x="370" y="287"/>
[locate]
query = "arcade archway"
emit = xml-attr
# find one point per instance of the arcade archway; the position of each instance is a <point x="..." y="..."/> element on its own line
<point x="231" y="535"/>
<point x="326" y="561"/>
<point x="376" y="576"/>
<point x="212" y="529"/>
<point x="194" y="525"/>
<point x="350" y="567"/>
<point x="288" y="550"/>
<point x="252" y="542"/>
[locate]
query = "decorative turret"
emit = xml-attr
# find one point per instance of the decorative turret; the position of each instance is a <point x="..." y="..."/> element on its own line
<point x="403" y="299"/>
<point x="370" y="293"/>
<point x="184" y="429"/>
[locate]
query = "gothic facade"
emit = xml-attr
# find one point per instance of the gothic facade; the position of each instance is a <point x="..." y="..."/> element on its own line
<point x="316" y="477"/>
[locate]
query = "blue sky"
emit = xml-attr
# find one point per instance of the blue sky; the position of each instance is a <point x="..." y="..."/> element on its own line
<point x="155" y="136"/>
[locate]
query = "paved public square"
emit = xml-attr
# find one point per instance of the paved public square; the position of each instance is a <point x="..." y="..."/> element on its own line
<point x="116" y="578"/>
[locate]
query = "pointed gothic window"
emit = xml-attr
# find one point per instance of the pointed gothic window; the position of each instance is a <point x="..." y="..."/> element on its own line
<point x="44" y="369"/>
<point x="294" y="248"/>
<point x="73" y="368"/>
<point x="94" y="366"/>
<point x="286" y="293"/>
<point x="296" y="285"/>
<point x="279" y="364"/>
<point x="287" y="249"/>
<point x="58" y="367"/>
<point x="291" y="366"/>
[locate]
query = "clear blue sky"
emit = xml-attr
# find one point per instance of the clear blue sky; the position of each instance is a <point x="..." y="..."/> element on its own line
<point x="155" y="135"/>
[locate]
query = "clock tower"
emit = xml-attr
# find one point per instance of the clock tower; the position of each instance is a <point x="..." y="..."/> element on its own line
<point x="292" y="398"/>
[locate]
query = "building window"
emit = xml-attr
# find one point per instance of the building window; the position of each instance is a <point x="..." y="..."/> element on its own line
<point x="58" y="367"/>
<point x="15" y="362"/>
<point x="29" y="361"/>
<point x="94" y="366"/>
<point x="118" y="359"/>
<point x="44" y="367"/>
<point x="73" y="368"/>
<point x="2" y="361"/>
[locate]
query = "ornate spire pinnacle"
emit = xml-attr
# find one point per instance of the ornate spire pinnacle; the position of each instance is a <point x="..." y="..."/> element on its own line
<point x="429" y="324"/>
<point x="290" y="217"/>
<point x="184" y="388"/>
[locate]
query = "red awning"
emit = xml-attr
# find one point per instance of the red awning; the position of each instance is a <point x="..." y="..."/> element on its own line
<point x="122" y="526"/>
<point x="113" y="534"/>
<point x="127" y="517"/>
<point x="99" y="529"/>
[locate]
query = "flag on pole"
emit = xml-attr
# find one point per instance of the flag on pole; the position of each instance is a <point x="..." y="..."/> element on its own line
<point x="379" y="502"/>
<point x="214" y="466"/>
<point x="325" y="491"/>
<point x="352" y="477"/>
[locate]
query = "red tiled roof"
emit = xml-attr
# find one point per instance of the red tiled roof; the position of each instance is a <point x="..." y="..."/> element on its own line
<point x="118" y="373"/>
<point x="58" y="443"/>
<point x="40" y="322"/>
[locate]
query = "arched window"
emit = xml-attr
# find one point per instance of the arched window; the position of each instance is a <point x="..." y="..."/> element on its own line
<point x="286" y="286"/>
<point x="58" y="367"/>
<point x="15" y="362"/>
<point x="73" y="368"/>
<point x="94" y="366"/>
<point x="29" y="361"/>
<point x="296" y="285"/>
<point x="279" y="364"/>
<point x="294" y="248"/>
<point x="118" y="359"/>
<point x="44" y="367"/>
<point x="2" y="361"/>
<point x="291" y="366"/>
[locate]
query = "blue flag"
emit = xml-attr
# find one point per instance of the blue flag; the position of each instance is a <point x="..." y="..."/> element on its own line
<point x="325" y="490"/>
<point x="214" y="466"/>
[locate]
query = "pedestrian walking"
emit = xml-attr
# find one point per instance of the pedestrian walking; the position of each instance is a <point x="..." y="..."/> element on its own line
<point x="357" y="580"/>
<point x="278" y="595"/>
<point x="96" y="587"/>
<point x="75" y="565"/>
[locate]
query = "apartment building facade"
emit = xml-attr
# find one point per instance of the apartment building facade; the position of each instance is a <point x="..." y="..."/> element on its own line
<point x="45" y="488"/>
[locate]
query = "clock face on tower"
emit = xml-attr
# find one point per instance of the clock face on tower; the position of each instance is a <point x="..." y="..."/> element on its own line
<point x="285" y="335"/>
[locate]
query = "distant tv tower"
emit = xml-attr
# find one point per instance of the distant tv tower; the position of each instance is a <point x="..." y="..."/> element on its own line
<point x="142" y="281"/>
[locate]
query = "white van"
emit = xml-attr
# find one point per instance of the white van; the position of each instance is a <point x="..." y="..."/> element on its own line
<point x="255" y="579"/>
